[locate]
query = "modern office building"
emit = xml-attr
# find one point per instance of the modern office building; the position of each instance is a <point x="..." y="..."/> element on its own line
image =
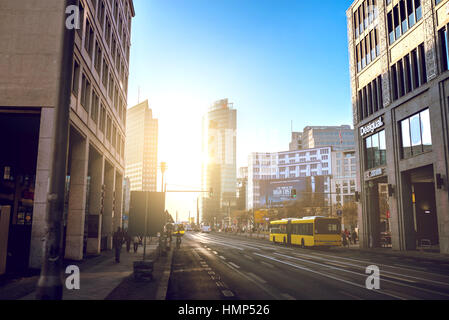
<point x="242" y="188"/>
<point x="219" y="169"/>
<point x="285" y="166"/>
<point x="141" y="148"/>
<point x="337" y="137"/>
<point x="31" y="36"/>
<point x="343" y="182"/>
<point x="296" y="143"/>
<point x="398" y="53"/>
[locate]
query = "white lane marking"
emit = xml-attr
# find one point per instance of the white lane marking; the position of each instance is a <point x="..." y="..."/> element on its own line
<point x="412" y="268"/>
<point x="383" y="271"/>
<point x="323" y="274"/>
<point x="215" y="252"/>
<point x="227" y="293"/>
<point x="224" y="244"/>
<point x="223" y="258"/>
<point x="287" y="296"/>
<point x="383" y="265"/>
<point x="248" y="257"/>
<point x="397" y="278"/>
<point x="234" y="265"/>
<point x="364" y="275"/>
<point x="255" y="277"/>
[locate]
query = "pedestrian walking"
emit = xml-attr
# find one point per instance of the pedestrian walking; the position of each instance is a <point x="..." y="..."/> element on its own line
<point x="117" y="241"/>
<point x="344" y="239"/>
<point x="354" y="236"/>
<point x="136" y="242"/>
<point x="128" y="241"/>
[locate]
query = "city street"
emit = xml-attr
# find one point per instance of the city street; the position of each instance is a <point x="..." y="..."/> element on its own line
<point x="221" y="266"/>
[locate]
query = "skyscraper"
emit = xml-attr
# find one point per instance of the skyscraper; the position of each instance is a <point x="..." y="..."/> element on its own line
<point x="141" y="148"/>
<point x="219" y="171"/>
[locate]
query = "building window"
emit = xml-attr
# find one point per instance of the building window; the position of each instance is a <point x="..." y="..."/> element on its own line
<point x="375" y="150"/>
<point x="403" y="16"/>
<point x="85" y="93"/>
<point x="76" y="78"/>
<point x="444" y="49"/>
<point x="95" y="106"/>
<point x="105" y="74"/>
<point x="369" y="98"/>
<point x="102" y="118"/>
<point x="89" y="39"/>
<point x="408" y="73"/>
<point x="416" y="135"/>
<point x="98" y="57"/>
<point x="81" y="12"/>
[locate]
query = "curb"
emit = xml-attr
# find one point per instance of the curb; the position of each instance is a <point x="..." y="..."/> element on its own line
<point x="162" y="289"/>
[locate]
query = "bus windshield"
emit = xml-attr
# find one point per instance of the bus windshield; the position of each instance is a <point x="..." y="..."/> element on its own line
<point x="327" y="226"/>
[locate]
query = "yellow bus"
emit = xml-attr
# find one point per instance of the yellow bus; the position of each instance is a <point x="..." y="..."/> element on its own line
<point x="307" y="232"/>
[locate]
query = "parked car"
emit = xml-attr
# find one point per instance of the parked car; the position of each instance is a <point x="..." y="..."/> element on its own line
<point x="206" y="229"/>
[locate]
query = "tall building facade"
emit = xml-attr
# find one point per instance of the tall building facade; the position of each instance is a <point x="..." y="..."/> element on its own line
<point x="219" y="168"/>
<point x="343" y="183"/>
<point x="337" y="137"/>
<point x="141" y="148"/>
<point x="296" y="143"/>
<point x="286" y="165"/>
<point x="399" y="78"/>
<point x="29" y="79"/>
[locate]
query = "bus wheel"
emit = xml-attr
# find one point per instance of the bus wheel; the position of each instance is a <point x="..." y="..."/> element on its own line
<point x="302" y="244"/>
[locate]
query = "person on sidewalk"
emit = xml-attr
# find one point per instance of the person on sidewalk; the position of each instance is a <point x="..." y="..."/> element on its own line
<point x="354" y="236"/>
<point x="136" y="242"/>
<point x="344" y="239"/>
<point x="117" y="241"/>
<point x="128" y="241"/>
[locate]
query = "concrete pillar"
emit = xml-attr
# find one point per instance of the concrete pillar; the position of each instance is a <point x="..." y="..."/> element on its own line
<point x="373" y="214"/>
<point x="77" y="196"/>
<point x="408" y="235"/>
<point x="118" y="203"/>
<point x="108" y="214"/>
<point x="96" y="173"/>
<point x="44" y="163"/>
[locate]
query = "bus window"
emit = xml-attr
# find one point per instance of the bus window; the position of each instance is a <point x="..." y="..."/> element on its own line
<point x="275" y="230"/>
<point x="327" y="226"/>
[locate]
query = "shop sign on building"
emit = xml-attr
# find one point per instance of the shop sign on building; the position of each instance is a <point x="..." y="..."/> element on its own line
<point x="370" y="128"/>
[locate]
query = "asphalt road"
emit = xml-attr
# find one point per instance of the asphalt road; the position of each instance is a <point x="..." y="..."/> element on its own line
<point x="225" y="267"/>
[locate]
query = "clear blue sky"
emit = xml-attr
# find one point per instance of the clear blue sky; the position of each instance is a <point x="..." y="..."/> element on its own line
<point x="277" y="60"/>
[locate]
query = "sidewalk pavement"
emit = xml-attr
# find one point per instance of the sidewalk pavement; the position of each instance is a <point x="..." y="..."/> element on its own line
<point x="101" y="278"/>
<point x="422" y="254"/>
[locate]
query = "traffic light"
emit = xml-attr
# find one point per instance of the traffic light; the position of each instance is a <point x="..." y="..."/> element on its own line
<point x="293" y="194"/>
